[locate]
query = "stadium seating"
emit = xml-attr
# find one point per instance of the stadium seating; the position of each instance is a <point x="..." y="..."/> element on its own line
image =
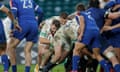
<point x="54" y="7"/>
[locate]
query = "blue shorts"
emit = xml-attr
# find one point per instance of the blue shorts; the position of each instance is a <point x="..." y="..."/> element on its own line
<point x="92" y="38"/>
<point x="29" y="31"/>
<point x="104" y="44"/>
<point x="2" y="33"/>
<point x="114" y="40"/>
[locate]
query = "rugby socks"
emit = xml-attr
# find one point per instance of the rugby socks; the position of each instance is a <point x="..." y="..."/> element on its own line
<point x="14" y="68"/>
<point x="117" y="68"/>
<point x="105" y="65"/>
<point x="49" y="66"/>
<point x="27" y="69"/>
<point x="5" y="62"/>
<point x="75" y="61"/>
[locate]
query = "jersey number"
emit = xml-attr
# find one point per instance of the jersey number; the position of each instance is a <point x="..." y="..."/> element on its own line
<point x="27" y="4"/>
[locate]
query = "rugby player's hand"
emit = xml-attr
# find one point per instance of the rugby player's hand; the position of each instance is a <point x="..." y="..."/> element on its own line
<point x="107" y="28"/>
<point x="16" y="26"/>
<point x="80" y="37"/>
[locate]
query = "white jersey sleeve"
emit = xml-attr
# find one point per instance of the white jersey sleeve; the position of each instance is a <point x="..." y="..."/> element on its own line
<point x="7" y="27"/>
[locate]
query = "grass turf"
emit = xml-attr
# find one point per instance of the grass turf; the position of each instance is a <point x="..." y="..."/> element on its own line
<point x="20" y="68"/>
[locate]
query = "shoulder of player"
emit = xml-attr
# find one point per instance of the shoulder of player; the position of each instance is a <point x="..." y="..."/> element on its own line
<point x="55" y="17"/>
<point x="46" y="26"/>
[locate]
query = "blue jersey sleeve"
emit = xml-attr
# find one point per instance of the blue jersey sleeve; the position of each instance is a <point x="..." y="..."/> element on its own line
<point x="118" y="1"/>
<point x="37" y="8"/>
<point x="13" y="5"/>
<point x="110" y="4"/>
<point x="39" y="11"/>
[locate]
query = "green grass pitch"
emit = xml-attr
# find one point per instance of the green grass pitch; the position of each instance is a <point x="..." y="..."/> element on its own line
<point x="20" y="68"/>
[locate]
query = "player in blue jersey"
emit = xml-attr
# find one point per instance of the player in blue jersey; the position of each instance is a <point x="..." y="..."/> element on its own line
<point x="89" y="34"/>
<point x="113" y="29"/>
<point x="98" y="15"/>
<point x="3" y="44"/>
<point x="24" y="11"/>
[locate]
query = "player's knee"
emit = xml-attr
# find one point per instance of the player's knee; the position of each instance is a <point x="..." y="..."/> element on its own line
<point x="27" y="51"/>
<point x="76" y="51"/>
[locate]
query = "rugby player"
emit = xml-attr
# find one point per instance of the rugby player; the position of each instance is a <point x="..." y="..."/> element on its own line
<point x="24" y="11"/>
<point x="42" y="48"/>
<point x="3" y="42"/>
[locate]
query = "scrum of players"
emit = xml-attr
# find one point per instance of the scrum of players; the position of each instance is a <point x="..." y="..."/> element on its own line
<point x="92" y="34"/>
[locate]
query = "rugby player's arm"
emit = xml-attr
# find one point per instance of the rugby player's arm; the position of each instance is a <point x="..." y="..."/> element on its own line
<point x="111" y="15"/>
<point x="114" y="15"/>
<point x="8" y="12"/>
<point x="115" y="26"/>
<point x="116" y="7"/>
<point x="81" y="28"/>
<point x="41" y="24"/>
<point x="44" y="41"/>
<point x="44" y="35"/>
<point x="39" y="12"/>
<point x="107" y="24"/>
<point x="11" y="16"/>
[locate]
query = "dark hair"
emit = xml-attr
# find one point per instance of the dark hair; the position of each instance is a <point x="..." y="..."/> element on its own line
<point x="80" y="7"/>
<point x="94" y="3"/>
<point x="64" y="15"/>
<point x="56" y="23"/>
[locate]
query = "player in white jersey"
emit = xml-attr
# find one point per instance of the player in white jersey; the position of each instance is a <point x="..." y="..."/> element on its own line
<point x="42" y="48"/>
<point x="63" y="42"/>
<point x="7" y="27"/>
<point x="45" y="42"/>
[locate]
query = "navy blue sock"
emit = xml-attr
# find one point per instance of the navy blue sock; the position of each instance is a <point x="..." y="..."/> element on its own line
<point x="117" y="68"/>
<point x="14" y="68"/>
<point x="27" y="69"/>
<point x="5" y="62"/>
<point x="105" y="65"/>
<point x="75" y="61"/>
<point x="48" y="66"/>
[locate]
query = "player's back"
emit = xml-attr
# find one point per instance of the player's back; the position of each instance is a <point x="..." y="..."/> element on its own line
<point x="25" y="9"/>
<point x="98" y="15"/>
<point x="90" y="23"/>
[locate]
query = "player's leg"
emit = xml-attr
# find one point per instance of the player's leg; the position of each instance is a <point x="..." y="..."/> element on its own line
<point x="3" y="46"/>
<point x="117" y="51"/>
<point x="28" y="59"/>
<point x="109" y="53"/>
<point x="64" y="55"/>
<point x="55" y="58"/>
<point x="115" y="42"/>
<point x="45" y="54"/>
<point x="14" y="41"/>
<point x="31" y="38"/>
<point x="76" y="55"/>
<point x="39" y="58"/>
<point x="4" y="57"/>
<point x="96" y="45"/>
<point x="79" y="45"/>
<point x="61" y="54"/>
<point x="11" y="50"/>
<point x="101" y="60"/>
<point x="61" y="59"/>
